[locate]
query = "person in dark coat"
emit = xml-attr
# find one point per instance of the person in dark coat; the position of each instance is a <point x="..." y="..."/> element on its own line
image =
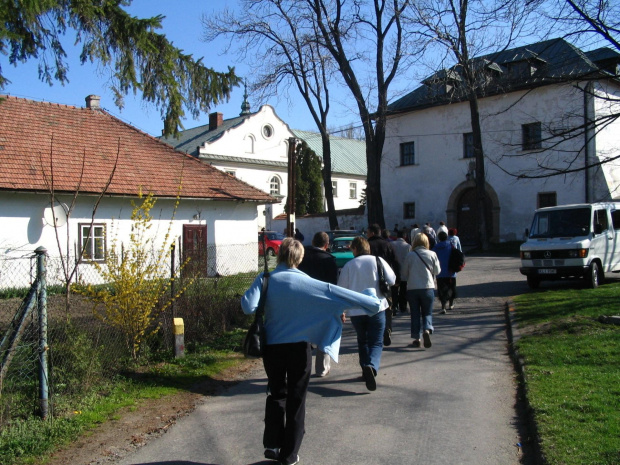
<point x="319" y="264"/>
<point x="299" y="236"/>
<point x="379" y="247"/>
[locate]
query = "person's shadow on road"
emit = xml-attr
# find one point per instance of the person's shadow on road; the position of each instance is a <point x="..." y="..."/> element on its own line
<point x="185" y="462"/>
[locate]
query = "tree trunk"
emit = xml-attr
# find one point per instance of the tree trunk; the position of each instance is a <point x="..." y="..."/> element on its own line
<point x="481" y="213"/>
<point x="327" y="181"/>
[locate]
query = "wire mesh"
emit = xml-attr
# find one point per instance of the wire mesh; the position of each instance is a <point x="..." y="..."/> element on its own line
<point x="85" y="351"/>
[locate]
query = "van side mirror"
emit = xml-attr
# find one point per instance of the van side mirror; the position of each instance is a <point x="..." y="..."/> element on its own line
<point x="598" y="228"/>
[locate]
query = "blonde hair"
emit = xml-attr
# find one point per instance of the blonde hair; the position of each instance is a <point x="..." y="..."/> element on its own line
<point x="420" y="239"/>
<point x="360" y="246"/>
<point x="291" y="252"/>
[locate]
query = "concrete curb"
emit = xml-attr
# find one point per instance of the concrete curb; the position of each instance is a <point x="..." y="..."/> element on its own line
<point x="513" y="335"/>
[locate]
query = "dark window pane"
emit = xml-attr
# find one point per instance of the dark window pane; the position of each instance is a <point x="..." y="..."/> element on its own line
<point x="409" y="210"/>
<point x="407" y="153"/>
<point x="531" y="136"/>
<point x="468" y="145"/>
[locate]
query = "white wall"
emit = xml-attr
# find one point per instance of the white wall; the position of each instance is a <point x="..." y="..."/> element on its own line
<point x="230" y="226"/>
<point x="236" y="143"/>
<point x="440" y="166"/>
<point x="607" y="103"/>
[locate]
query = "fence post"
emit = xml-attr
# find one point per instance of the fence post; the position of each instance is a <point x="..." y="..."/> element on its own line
<point x="43" y="347"/>
<point x="172" y="281"/>
<point x="179" y="338"/>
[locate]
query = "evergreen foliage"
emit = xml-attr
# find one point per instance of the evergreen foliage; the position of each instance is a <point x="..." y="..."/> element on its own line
<point x="309" y="181"/>
<point x="142" y="60"/>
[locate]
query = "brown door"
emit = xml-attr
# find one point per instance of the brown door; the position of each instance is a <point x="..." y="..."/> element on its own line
<point x="195" y="249"/>
<point x="467" y="218"/>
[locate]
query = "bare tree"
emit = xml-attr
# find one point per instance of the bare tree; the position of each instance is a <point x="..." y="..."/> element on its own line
<point x="367" y="42"/>
<point x="568" y="144"/>
<point x="70" y="269"/>
<point x="459" y="31"/>
<point x="280" y="38"/>
<point x="307" y="43"/>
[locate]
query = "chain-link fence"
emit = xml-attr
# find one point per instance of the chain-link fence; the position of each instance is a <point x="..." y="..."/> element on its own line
<point x="84" y="350"/>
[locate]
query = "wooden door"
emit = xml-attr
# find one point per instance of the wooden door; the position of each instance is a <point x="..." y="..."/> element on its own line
<point x="195" y="249"/>
<point x="467" y="218"/>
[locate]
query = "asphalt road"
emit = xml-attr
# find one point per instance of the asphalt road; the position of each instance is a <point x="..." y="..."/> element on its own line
<point x="454" y="403"/>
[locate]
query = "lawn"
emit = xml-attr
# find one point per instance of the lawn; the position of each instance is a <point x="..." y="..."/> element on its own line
<point x="572" y="372"/>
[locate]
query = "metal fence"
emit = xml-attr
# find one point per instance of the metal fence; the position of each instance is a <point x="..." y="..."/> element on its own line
<point x="83" y="350"/>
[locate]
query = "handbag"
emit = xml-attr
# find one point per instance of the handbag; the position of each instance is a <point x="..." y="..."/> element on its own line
<point x="456" y="262"/>
<point x="384" y="287"/>
<point x="254" y="343"/>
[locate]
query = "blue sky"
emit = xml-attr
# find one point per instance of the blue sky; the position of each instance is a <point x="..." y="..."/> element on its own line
<point x="183" y="27"/>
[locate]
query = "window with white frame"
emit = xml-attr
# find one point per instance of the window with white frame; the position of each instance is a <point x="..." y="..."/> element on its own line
<point x="335" y="188"/>
<point x="92" y="241"/>
<point x="233" y="173"/>
<point x="353" y="190"/>
<point x="274" y="186"/>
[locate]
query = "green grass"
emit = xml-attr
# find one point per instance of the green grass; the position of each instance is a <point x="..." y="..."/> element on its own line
<point x="572" y="371"/>
<point x="30" y="441"/>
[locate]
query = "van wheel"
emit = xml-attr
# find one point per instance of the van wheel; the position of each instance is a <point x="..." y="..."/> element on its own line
<point x="533" y="282"/>
<point x="271" y="252"/>
<point x="594" y="275"/>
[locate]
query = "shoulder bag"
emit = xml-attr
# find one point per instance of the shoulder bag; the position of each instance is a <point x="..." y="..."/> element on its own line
<point x="427" y="267"/>
<point x="254" y="343"/>
<point x="384" y="287"/>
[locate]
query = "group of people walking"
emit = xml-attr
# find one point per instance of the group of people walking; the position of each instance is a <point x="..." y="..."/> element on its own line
<point x="307" y="302"/>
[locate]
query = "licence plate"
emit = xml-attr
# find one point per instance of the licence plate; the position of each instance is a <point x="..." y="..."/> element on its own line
<point x="547" y="271"/>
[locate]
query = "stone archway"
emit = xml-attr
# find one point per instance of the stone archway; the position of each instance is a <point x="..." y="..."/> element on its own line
<point x="460" y="213"/>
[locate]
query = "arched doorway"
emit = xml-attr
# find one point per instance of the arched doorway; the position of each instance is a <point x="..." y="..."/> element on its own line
<point x="462" y="213"/>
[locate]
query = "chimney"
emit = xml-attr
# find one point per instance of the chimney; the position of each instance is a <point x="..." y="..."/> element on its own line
<point x="92" y="102"/>
<point x="215" y="120"/>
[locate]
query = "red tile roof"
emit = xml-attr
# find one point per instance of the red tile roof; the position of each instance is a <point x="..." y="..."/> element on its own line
<point x="40" y="140"/>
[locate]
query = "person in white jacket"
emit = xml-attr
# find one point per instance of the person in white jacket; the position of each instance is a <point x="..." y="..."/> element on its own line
<point x="420" y="268"/>
<point x="359" y="274"/>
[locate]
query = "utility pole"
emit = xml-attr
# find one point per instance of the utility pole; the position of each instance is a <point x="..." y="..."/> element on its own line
<point x="290" y="199"/>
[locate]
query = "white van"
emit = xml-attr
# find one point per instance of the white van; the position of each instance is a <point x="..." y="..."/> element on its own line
<point x="572" y="241"/>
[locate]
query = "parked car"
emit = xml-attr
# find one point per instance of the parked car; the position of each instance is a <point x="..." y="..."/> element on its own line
<point x="272" y="242"/>
<point x="341" y="250"/>
<point x="572" y="241"/>
<point x="342" y="233"/>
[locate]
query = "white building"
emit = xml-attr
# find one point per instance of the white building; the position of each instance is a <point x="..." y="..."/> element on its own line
<point x="94" y="162"/>
<point x="531" y="95"/>
<point x="253" y="147"/>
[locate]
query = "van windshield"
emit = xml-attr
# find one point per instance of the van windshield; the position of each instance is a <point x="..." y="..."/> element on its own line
<point x="561" y="223"/>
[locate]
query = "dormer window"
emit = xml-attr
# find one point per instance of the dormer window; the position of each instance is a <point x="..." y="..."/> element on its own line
<point x="524" y="64"/>
<point x="443" y="83"/>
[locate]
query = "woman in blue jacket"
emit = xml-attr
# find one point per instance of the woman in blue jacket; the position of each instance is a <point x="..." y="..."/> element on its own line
<point x="446" y="279"/>
<point x="299" y="311"/>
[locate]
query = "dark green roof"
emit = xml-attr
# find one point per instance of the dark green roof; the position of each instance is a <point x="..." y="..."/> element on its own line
<point x="555" y="61"/>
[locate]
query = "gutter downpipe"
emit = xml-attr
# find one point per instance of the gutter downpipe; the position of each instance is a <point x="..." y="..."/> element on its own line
<point x="588" y="128"/>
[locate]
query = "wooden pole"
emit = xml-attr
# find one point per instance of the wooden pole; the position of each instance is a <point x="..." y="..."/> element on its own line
<point x="290" y="200"/>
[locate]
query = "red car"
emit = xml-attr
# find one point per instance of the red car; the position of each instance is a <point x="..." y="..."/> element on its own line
<point x="272" y="242"/>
